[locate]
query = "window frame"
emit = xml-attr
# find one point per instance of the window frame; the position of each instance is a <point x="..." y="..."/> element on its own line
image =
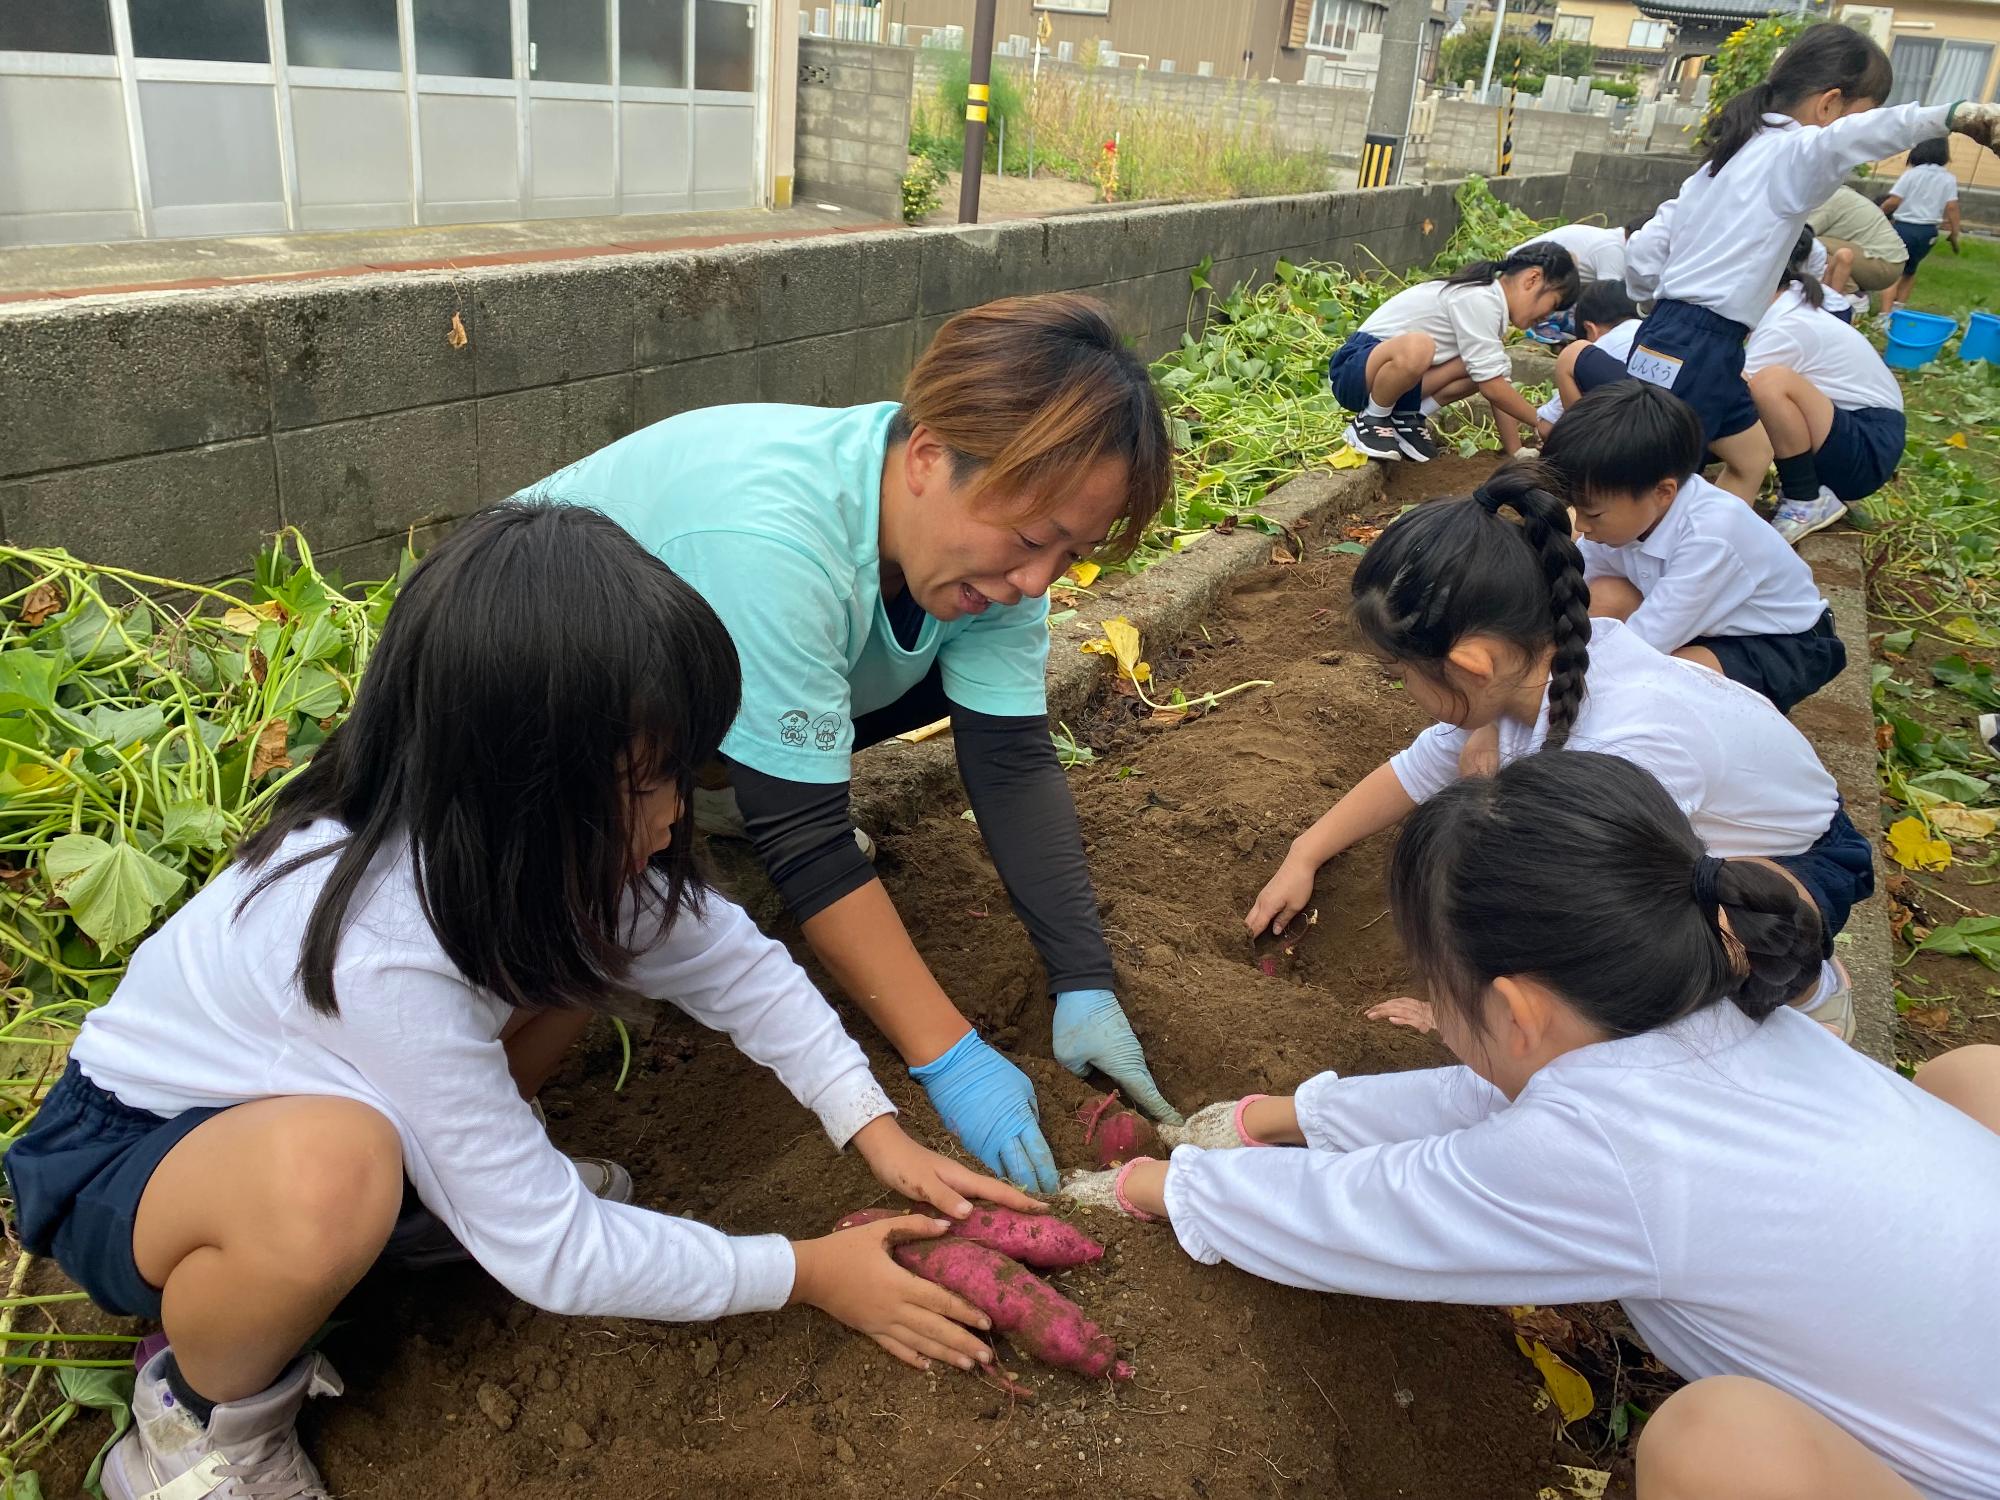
<point x="1344" y="8"/>
<point x="1648" y="24"/>
<point x="1075" y="7"/>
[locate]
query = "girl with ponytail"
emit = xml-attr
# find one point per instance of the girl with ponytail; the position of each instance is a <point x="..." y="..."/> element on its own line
<point x="1441" y="341"/>
<point x="1639" y="1117"/>
<point x="1710" y="257"/>
<point x="1488" y="618"/>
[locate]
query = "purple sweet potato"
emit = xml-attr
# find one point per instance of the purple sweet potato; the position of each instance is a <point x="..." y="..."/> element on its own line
<point x="1040" y="1240"/>
<point x="1116" y="1133"/>
<point x="1026" y="1308"/>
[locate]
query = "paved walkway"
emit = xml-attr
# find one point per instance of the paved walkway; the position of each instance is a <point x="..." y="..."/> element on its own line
<point x="38" y="272"/>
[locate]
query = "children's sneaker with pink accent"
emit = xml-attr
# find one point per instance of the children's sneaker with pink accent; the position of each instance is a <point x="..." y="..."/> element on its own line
<point x="248" y="1451"/>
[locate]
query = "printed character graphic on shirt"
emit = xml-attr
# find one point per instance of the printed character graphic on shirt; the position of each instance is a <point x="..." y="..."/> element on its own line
<point x="792" y="727"/>
<point x="826" y="731"/>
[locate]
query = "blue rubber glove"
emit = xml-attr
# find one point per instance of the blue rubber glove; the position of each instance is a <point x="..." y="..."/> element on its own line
<point x="1092" y="1032"/>
<point x="989" y="1104"/>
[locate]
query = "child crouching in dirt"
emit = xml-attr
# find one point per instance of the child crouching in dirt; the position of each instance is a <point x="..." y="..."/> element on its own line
<point x="1489" y="624"/>
<point x="1640" y="1117"/>
<point x="494" y="846"/>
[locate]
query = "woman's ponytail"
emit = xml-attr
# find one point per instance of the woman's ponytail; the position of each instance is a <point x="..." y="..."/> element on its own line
<point x="1528" y="489"/>
<point x="1773" y="938"/>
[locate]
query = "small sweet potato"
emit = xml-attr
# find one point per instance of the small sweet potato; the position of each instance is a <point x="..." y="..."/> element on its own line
<point x="1039" y="1240"/>
<point x="1026" y="1308"/>
<point x="1115" y="1133"/>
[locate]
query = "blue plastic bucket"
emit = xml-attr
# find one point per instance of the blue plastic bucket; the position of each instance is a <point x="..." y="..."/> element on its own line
<point x="1982" y="338"/>
<point x="1916" y="337"/>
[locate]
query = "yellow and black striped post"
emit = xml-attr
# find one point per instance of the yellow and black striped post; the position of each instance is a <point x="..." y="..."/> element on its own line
<point x="1507" y="121"/>
<point x="1378" y="160"/>
<point x="977" y="93"/>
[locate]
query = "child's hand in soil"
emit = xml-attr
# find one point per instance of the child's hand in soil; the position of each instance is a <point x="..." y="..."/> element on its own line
<point x="1284" y="896"/>
<point x="1481" y="755"/>
<point x="1254" y="1120"/>
<point x="1138" y="1190"/>
<point x="925" y="1176"/>
<point x="1404" y="1011"/>
<point x="850" y="1276"/>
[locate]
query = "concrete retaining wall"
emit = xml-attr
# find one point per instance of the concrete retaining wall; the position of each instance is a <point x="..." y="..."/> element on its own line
<point x="171" y="431"/>
<point x="853" y="139"/>
<point x="1466" y="137"/>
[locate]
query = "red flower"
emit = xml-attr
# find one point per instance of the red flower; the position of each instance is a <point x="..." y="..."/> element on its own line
<point x="1110" y="148"/>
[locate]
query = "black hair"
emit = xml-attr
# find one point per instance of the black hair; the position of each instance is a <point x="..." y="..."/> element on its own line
<point x="1823" y="56"/>
<point x="1453" y="568"/>
<point x="1578" y="871"/>
<point x="1638" y="222"/>
<point x="1622" y="439"/>
<point x="1935" y="152"/>
<point x="1605" y="303"/>
<point x="1796" y="274"/>
<point x="538" y="668"/>
<point x="1557" y="265"/>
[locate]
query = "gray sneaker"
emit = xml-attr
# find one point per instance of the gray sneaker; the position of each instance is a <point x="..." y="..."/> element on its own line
<point x="421" y="1242"/>
<point x="248" y="1451"/>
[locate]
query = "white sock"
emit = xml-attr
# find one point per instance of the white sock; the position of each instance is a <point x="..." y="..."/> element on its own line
<point x="1376" y="410"/>
<point x="1829" y="981"/>
<point x="1430" y="406"/>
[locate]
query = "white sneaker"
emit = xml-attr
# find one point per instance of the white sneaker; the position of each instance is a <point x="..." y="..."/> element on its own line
<point x="1798" y="519"/>
<point x="1832" y="1004"/>
<point x="248" y="1451"/>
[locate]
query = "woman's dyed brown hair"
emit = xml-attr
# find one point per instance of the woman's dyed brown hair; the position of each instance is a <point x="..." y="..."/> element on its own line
<point x="1029" y="393"/>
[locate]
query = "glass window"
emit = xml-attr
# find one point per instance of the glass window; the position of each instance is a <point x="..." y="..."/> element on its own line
<point x="201" y="30"/>
<point x="343" y="34"/>
<point x="56" y="26"/>
<point x="1914" y="59"/>
<point x="569" y="41"/>
<point x="1336" y="24"/>
<point x="1648" y="34"/>
<point x="1961" y="72"/>
<point x="1081" y="7"/>
<point x="725" y="47"/>
<point x="465" y="38"/>
<point x="1572" y="28"/>
<point x="652" y="44"/>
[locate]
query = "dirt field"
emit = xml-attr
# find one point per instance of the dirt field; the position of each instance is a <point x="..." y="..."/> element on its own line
<point x="1243" y="1388"/>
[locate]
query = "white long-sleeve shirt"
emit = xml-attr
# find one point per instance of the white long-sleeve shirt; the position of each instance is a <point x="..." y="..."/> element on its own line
<point x="1762" y="1199"/>
<point x="1724" y="241"/>
<point x="210" y="1014"/>
<point x="1711" y="566"/>
<point x="1744" y="775"/>
<point x="1465" y="322"/>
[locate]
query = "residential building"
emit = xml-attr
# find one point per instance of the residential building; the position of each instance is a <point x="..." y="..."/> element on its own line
<point x="1621" y="35"/>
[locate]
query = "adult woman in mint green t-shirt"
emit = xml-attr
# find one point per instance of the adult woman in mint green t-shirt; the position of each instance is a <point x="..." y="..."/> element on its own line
<point x="884" y="566"/>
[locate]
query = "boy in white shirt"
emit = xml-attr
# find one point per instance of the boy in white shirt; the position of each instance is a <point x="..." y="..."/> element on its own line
<point x="1607" y="321"/>
<point x="1687" y="566"/>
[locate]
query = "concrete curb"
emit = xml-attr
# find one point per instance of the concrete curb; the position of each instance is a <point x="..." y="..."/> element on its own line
<point x="1840" y="721"/>
<point x="896" y="782"/>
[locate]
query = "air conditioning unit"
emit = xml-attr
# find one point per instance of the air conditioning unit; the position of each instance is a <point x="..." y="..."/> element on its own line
<point x="1872" y="21"/>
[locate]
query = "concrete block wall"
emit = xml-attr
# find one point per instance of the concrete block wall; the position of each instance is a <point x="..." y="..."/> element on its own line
<point x="852" y="144"/>
<point x="1466" y="138"/>
<point x="173" y="432"/>
<point x="1613" y="186"/>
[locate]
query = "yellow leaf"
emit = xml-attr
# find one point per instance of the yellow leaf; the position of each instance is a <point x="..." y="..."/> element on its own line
<point x="1956" y="440"/>
<point x="1347" y="458"/>
<point x="244" y="621"/>
<point x="1124" y="638"/>
<point x="1913" y="847"/>
<point x="1571" y="1391"/>
<point x="1587" y="1484"/>
<point x="1957" y="821"/>
<point x="1084" y="574"/>
<point x="1964" y="628"/>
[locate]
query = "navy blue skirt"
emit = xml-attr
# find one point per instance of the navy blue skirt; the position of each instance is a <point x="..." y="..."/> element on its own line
<point x="1698" y="355"/>
<point x="1838" y="871"/>
<point x="1347" y="371"/>
<point x="1861" y="450"/>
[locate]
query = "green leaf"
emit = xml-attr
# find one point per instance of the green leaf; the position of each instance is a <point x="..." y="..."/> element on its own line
<point x="1953" y="786"/>
<point x="1899" y="642"/>
<point x="311" y="691"/>
<point x="1974" y="681"/>
<point x="90" y="636"/>
<point x="1198" y="277"/>
<point x="102" y="1390"/>
<point x="192" y="824"/>
<point x="1969" y="937"/>
<point x="1350" y="549"/>
<point x="27" y="681"/>
<point x="113" y="890"/>
<point x="119" y="727"/>
<point x="26" y="1485"/>
<point x="318" y="639"/>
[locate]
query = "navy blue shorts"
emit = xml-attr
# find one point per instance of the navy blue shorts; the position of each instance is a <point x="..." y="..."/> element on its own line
<point x="78" y="1173"/>
<point x="1861" y="450"/>
<point x="1348" y="373"/>
<point x="1594" y="367"/>
<point x="1917" y="239"/>
<point x="1838" y="871"/>
<point x="1698" y="355"/>
<point x="1846" y="314"/>
<point x="1787" y="669"/>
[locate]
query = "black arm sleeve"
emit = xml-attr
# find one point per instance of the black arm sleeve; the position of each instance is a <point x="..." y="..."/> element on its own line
<point x="804" y="837"/>
<point x="1029" y="822"/>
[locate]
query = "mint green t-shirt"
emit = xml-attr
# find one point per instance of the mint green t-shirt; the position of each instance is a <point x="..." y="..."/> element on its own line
<point x="774" y="514"/>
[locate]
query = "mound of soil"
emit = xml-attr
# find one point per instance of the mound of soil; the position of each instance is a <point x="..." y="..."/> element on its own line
<point x="458" y="1392"/>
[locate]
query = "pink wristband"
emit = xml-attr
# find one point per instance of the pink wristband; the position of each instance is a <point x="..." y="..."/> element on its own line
<point x="1118" y="1191"/>
<point x="1241" y="1134"/>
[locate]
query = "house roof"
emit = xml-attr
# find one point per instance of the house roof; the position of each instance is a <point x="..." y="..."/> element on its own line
<point x="1715" y="10"/>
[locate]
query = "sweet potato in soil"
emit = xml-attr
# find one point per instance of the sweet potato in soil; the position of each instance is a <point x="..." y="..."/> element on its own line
<point x="1037" y="1317"/>
<point x="1040" y="1240"/>
<point x="1116" y="1134"/>
<point x="1245" y="1389"/>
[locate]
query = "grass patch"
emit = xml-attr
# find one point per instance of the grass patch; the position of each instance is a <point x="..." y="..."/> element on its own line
<point x="1954" y="285"/>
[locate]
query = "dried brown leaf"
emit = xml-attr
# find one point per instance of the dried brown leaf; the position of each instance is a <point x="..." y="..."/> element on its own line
<point x="457" y="338"/>
<point x="269" y="751"/>
<point x="43" y="600"/>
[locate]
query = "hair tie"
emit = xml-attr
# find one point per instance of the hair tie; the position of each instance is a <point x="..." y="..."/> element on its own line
<point x="1707" y="871"/>
<point x="1489" y="500"/>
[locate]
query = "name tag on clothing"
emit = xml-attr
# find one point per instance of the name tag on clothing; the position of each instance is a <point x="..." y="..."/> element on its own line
<point x="1651" y="366"/>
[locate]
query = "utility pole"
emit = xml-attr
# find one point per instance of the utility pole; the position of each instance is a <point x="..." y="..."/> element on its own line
<point x="979" y="89"/>
<point x="1492" y="47"/>
<point x="1394" y="103"/>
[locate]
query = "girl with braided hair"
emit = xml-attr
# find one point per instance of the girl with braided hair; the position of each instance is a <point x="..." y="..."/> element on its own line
<point x="1488" y="619"/>
<point x="1637" y="1116"/>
